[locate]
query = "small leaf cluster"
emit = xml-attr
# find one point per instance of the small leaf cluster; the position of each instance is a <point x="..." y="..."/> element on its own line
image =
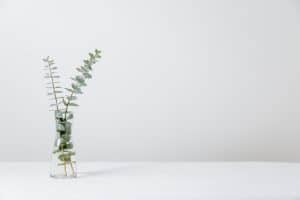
<point x="53" y="83"/>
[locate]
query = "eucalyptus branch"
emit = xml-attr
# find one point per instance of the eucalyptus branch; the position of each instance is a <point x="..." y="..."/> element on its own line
<point x="52" y="75"/>
<point x="80" y="80"/>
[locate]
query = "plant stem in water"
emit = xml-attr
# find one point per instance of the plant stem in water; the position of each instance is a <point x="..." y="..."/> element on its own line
<point x="65" y="168"/>
<point x="73" y="172"/>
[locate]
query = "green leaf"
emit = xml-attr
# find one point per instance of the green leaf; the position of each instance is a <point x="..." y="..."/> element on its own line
<point x="56" y="87"/>
<point x="71" y="98"/>
<point x="91" y="56"/>
<point x="97" y="51"/>
<point x="55" y="82"/>
<point x="86" y="62"/>
<point x="69" y="90"/>
<point x="69" y="146"/>
<point x="66" y="137"/>
<point x="70" y="116"/>
<point x="73" y="104"/>
<point x="54" y="98"/>
<point x="64" y="157"/>
<point x="60" y="127"/>
<point x="84" y="69"/>
<point x="80" y="80"/>
<point x="78" y="92"/>
<point x="89" y="67"/>
<point x="87" y="75"/>
<point x="79" y="69"/>
<point x="53" y="74"/>
<point x="75" y="87"/>
<point x="51" y="62"/>
<point x="56" y="151"/>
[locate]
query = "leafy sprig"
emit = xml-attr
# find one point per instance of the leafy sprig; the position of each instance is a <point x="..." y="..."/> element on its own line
<point x="80" y="80"/>
<point x="54" y="89"/>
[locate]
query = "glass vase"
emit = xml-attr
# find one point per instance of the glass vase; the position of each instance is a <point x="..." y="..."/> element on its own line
<point x="63" y="155"/>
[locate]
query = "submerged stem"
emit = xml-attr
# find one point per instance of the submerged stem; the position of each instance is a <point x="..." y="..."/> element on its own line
<point x="65" y="168"/>
<point x="73" y="172"/>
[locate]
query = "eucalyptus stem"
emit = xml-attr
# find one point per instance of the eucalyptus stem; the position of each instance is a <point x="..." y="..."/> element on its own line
<point x="72" y="168"/>
<point x="65" y="168"/>
<point x="53" y="86"/>
<point x="67" y="106"/>
<point x="53" y="81"/>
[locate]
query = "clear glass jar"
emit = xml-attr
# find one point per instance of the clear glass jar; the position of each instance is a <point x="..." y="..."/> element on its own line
<point x="63" y="154"/>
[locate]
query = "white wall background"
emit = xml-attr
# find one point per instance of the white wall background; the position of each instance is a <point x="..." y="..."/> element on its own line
<point x="179" y="80"/>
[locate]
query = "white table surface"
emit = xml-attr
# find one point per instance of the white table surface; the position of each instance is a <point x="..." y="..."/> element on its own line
<point x="153" y="180"/>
